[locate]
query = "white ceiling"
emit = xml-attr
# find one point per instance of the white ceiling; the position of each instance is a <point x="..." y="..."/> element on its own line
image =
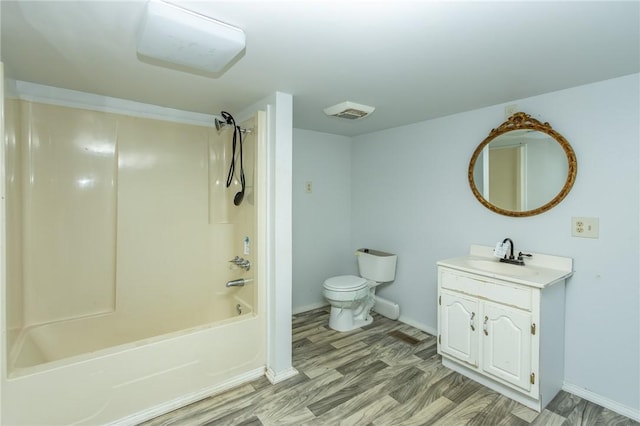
<point x="412" y="60"/>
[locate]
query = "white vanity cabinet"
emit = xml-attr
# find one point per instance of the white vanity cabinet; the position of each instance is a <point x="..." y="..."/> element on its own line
<point x="504" y="331"/>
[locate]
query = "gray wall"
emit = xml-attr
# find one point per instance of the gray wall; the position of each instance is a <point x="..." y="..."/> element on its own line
<point x="322" y="218"/>
<point x="409" y="195"/>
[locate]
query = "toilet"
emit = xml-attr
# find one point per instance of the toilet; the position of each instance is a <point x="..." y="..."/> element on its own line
<point x="352" y="297"/>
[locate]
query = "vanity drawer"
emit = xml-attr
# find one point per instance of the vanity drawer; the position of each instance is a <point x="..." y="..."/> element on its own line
<point x="507" y="294"/>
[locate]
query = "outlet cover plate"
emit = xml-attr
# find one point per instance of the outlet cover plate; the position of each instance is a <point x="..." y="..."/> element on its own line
<point x="585" y="227"/>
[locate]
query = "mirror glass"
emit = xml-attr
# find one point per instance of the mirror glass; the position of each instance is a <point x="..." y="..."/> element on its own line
<point x="522" y="168"/>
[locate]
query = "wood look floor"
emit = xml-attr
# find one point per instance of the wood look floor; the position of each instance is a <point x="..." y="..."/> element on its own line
<point x="387" y="373"/>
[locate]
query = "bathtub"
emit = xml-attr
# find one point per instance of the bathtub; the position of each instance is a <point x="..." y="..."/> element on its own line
<point x="96" y="370"/>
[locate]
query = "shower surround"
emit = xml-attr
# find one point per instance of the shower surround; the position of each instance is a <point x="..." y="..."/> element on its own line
<point x="118" y="238"/>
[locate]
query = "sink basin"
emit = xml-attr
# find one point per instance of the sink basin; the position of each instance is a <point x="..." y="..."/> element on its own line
<point x="541" y="270"/>
<point x="501" y="268"/>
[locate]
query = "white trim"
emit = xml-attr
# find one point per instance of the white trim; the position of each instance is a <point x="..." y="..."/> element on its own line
<point x="524" y="195"/>
<point x="420" y="326"/>
<point x="33" y="92"/>
<point x="308" y="308"/>
<point x="185" y="400"/>
<point x="10" y="90"/>
<point x="386" y="307"/>
<point x="591" y="396"/>
<point x="485" y="172"/>
<point x="279" y="107"/>
<point x="3" y="241"/>
<point x="280" y="376"/>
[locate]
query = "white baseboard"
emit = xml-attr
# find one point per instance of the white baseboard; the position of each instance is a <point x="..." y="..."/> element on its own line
<point x="185" y="400"/>
<point x="632" y="413"/>
<point x="280" y="376"/>
<point x="386" y="308"/>
<point x="429" y="330"/>
<point x="311" y="307"/>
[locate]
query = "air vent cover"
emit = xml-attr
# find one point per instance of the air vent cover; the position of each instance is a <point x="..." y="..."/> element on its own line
<point x="349" y="110"/>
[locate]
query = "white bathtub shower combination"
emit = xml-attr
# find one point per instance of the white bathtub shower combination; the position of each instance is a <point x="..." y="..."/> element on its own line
<point x="133" y="382"/>
<point x="73" y="339"/>
<point x="118" y="237"/>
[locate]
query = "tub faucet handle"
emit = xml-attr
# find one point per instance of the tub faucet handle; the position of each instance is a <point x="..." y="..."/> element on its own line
<point x="241" y="262"/>
<point x="245" y="264"/>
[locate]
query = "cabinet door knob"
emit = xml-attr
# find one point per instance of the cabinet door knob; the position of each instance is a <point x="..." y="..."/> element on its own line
<point x="473" y="315"/>
<point x="484" y="327"/>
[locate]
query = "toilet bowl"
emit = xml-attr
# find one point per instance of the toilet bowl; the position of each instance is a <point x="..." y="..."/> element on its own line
<point x="351" y="297"/>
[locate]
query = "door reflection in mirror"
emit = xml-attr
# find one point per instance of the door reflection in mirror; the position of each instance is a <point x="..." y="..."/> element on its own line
<point x="522" y="168"/>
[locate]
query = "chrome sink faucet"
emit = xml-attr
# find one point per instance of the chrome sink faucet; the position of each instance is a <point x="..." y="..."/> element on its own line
<point x="508" y="240"/>
<point x="512" y="259"/>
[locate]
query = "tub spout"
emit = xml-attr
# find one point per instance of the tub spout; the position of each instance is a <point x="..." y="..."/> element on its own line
<point x="240" y="282"/>
<point x="236" y="283"/>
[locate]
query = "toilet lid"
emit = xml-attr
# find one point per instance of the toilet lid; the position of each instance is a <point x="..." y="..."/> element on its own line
<point x="345" y="283"/>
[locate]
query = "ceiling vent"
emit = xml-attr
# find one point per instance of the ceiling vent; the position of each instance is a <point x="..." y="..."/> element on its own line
<point x="349" y="110"/>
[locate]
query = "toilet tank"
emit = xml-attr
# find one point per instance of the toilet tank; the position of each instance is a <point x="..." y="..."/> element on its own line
<point x="376" y="265"/>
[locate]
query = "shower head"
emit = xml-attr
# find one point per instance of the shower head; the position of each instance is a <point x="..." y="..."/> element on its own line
<point x="221" y="125"/>
<point x="237" y="200"/>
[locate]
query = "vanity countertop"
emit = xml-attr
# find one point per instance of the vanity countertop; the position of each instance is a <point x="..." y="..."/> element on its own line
<point x="540" y="271"/>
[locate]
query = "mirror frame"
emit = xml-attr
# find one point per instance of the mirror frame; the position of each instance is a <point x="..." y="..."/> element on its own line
<point x="519" y="121"/>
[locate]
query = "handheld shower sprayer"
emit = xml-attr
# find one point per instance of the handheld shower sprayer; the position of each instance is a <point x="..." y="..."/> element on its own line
<point x="237" y="135"/>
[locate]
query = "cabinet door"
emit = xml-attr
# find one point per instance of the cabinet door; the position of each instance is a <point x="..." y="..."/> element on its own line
<point x="459" y="327"/>
<point x="506" y="353"/>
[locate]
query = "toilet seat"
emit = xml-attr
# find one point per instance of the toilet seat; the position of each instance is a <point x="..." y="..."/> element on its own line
<point x="345" y="283"/>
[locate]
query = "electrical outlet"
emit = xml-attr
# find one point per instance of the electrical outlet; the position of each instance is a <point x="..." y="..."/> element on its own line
<point x="585" y="227"/>
<point x="308" y="187"/>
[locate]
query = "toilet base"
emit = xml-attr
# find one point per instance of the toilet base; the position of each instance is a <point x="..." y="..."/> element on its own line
<point x="342" y="319"/>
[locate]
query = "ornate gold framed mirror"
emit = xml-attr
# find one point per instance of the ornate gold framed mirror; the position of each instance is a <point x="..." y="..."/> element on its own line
<point x="523" y="168"/>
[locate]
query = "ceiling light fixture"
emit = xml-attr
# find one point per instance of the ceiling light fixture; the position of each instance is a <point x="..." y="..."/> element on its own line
<point x="175" y="35"/>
